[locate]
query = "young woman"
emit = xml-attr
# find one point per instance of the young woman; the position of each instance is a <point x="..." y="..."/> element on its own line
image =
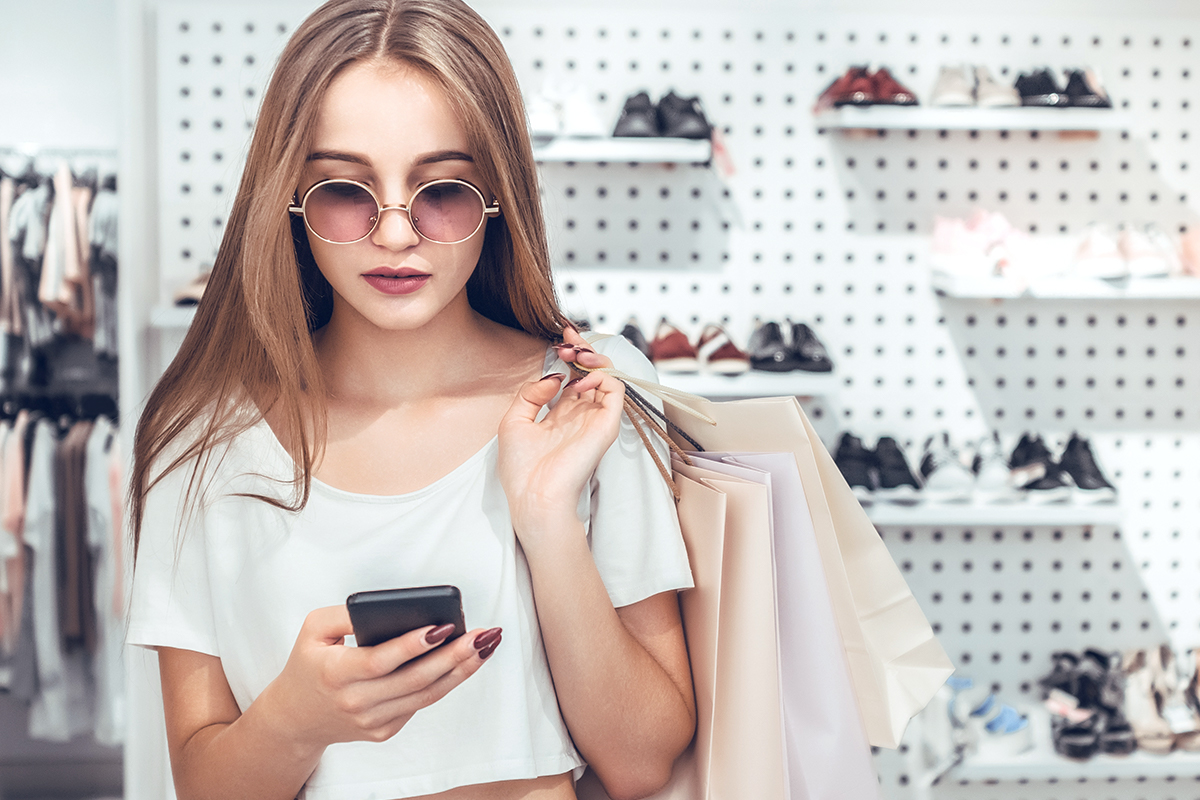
<point x="372" y="396"/>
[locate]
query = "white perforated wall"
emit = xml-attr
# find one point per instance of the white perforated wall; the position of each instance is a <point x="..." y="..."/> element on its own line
<point x="817" y="225"/>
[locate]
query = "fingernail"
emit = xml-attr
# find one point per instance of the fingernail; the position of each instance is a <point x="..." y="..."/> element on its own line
<point x="572" y="383"/>
<point x="556" y="375"/>
<point x="486" y="638"/>
<point x="491" y="648"/>
<point x="439" y="634"/>
<point x="563" y="346"/>
<point x="585" y="350"/>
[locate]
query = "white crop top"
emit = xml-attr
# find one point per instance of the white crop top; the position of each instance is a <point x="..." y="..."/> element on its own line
<point x="240" y="582"/>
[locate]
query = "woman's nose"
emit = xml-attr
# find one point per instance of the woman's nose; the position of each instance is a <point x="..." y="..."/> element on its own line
<point x="394" y="229"/>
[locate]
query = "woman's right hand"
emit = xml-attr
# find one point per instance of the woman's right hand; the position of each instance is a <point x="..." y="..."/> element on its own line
<point x="330" y="693"/>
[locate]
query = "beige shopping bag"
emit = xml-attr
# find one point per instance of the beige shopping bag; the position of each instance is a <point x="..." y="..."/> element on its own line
<point x="729" y="617"/>
<point x="896" y="664"/>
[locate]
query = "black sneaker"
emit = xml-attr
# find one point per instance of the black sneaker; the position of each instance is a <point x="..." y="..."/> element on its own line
<point x="682" y="117"/>
<point x="1084" y="90"/>
<point x="809" y="353"/>
<point x="638" y="117"/>
<point x="857" y="465"/>
<point x="897" y="483"/>
<point x="1033" y="470"/>
<point x="633" y="333"/>
<point x="1039" y="89"/>
<point x="768" y="352"/>
<point x="1090" y="484"/>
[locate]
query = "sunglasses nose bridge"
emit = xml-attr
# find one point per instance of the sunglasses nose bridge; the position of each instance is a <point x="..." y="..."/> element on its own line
<point x="407" y="213"/>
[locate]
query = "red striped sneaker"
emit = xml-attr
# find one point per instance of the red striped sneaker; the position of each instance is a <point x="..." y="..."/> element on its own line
<point x="671" y="351"/>
<point x="719" y="354"/>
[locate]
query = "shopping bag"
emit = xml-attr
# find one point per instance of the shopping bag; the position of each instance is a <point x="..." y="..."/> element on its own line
<point x="737" y="751"/>
<point x="896" y="664"/>
<point x="828" y="757"/>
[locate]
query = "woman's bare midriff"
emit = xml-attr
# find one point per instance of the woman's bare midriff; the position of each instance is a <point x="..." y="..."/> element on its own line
<point x="547" y="787"/>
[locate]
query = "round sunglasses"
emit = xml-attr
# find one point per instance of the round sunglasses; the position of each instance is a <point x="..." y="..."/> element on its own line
<point x="344" y="211"/>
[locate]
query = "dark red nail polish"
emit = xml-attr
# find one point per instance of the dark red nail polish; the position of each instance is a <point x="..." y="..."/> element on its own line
<point x="487" y="651"/>
<point x="563" y="346"/>
<point x="439" y="634"/>
<point x="486" y="638"/>
<point x="557" y="375"/>
<point x="572" y="383"/>
<point x="585" y="350"/>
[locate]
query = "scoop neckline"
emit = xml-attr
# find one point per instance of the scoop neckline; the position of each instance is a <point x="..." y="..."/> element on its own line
<point x="547" y="364"/>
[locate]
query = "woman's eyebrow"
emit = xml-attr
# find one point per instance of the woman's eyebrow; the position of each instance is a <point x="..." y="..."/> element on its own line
<point x="334" y="155"/>
<point x="429" y="158"/>
<point x="444" y="155"/>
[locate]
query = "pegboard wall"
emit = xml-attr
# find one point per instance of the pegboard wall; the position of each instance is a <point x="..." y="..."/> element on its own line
<point x="820" y="226"/>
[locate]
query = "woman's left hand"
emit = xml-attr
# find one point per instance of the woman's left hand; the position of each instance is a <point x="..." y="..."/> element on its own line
<point x="544" y="466"/>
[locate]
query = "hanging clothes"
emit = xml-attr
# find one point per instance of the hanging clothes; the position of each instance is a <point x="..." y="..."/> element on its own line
<point x="10" y="306"/>
<point x="104" y="539"/>
<point x="102" y="234"/>
<point x="62" y="707"/>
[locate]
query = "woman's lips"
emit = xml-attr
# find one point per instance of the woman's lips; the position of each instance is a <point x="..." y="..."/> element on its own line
<point x="396" y="281"/>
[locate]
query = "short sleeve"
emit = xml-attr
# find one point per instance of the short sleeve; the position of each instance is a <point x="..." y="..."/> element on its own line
<point x="170" y="602"/>
<point x="634" y="528"/>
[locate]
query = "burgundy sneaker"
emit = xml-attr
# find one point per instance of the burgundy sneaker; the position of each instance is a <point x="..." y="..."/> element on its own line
<point x="889" y="91"/>
<point x="671" y="351"/>
<point x="719" y="354"/>
<point x="853" y="88"/>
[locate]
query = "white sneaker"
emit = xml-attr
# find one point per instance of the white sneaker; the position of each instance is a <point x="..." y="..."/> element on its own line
<point x="1149" y="253"/>
<point x="545" y="117"/>
<point x="953" y="88"/>
<point x="580" y="117"/>
<point x="992" y="484"/>
<point x="946" y="479"/>
<point x="990" y="93"/>
<point x="1099" y="255"/>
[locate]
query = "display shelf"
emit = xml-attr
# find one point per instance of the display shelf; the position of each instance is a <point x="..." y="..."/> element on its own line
<point x="998" y="514"/>
<point x="172" y="317"/>
<point x="752" y="384"/>
<point x="630" y="149"/>
<point x="973" y="119"/>
<point x="1042" y="763"/>
<point x="1065" y="288"/>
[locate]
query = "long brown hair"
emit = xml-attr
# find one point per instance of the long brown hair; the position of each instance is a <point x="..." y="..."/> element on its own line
<point x="250" y="346"/>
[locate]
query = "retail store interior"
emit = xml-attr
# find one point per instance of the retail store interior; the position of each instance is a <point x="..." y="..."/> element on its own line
<point x="966" y="237"/>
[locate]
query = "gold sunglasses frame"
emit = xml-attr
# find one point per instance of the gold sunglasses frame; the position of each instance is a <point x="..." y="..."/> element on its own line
<point x="488" y="211"/>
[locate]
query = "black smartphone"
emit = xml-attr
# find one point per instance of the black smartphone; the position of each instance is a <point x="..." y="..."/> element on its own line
<point x="385" y="614"/>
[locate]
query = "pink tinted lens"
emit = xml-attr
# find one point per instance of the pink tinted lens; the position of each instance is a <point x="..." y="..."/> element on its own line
<point x="446" y="212"/>
<point x="340" y="212"/>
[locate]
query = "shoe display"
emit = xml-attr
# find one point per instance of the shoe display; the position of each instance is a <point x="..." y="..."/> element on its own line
<point x="718" y="353"/>
<point x="1084" y="90"/>
<point x="1040" y="89"/>
<point x="1099" y="255"/>
<point x="857" y="465"/>
<point x="1033" y="470"/>
<point x="633" y="333"/>
<point x="1189" y="251"/>
<point x="943" y="475"/>
<point x="897" y="483"/>
<point x="1142" y="701"/>
<point x="1174" y="707"/>
<point x="191" y="293"/>
<point x="808" y="353"/>
<point x="671" y="351"/>
<point x="1090" y="484"/>
<point x="1148" y="253"/>
<point x="545" y="117"/>
<point x="682" y="118"/>
<point x="990" y="468"/>
<point x="769" y="352"/>
<point x="953" y="88"/>
<point x="990" y="93"/>
<point x="854" y="88"/>
<point x="638" y="117"/>
<point x="889" y="91"/>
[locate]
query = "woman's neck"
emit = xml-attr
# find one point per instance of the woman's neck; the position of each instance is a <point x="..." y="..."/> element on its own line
<point x="364" y="364"/>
